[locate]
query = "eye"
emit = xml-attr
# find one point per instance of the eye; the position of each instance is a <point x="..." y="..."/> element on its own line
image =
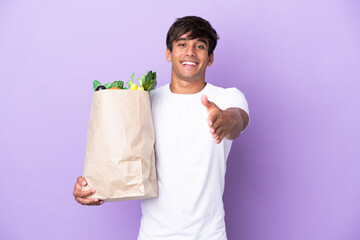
<point x="181" y="45"/>
<point x="201" y="47"/>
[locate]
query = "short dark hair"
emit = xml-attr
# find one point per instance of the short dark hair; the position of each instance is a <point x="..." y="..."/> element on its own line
<point x="199" y="28"/>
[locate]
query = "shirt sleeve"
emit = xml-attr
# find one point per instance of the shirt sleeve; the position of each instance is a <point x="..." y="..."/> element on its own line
<point x="232" y="97"/>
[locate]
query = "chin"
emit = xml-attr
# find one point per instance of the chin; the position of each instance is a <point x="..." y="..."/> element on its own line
<point x="190" y="78"/>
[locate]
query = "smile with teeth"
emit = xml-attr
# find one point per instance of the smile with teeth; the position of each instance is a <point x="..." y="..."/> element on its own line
<point x="190" y="63"/>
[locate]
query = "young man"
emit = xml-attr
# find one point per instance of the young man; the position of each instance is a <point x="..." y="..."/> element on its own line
<point x="193" y="140"/>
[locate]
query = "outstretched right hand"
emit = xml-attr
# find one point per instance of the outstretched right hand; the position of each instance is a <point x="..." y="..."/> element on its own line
<point x="80" y="195"/>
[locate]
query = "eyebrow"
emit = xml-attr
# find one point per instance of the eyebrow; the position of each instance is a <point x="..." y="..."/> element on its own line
<point x="200" y="40"/>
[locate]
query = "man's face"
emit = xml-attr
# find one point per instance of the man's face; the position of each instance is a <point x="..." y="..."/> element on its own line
<point x="189" y="58"/>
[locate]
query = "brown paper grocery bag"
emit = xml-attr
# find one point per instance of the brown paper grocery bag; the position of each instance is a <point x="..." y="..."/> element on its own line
<point x="120" y="157"/>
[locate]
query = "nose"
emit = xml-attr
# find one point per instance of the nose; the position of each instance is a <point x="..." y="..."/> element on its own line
<point x="190" y="50"/>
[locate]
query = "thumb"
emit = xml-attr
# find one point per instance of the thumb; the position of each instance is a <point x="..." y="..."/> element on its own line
<point x="81" y="180"/>
<point x="209" y="105"/>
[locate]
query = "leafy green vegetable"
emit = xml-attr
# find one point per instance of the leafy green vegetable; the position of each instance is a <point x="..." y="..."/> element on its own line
<point x="147" y="82"/>
<point x="108" y="85"/>
<point x="118" y="84"/>
<point x="142" y="80"/>
<point x="96" y="83"/>
<point x="130" y="82"/>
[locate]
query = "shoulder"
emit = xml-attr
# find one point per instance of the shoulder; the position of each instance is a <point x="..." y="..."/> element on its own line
<point x="233" y="91"/>
<point x="229" y="97"/>
<point x="158" y="91"/>
<point x="225" y="93"/>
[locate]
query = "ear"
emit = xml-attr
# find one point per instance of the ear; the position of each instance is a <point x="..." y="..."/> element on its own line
<point x="168" y="55"/>
<point x="211" y="59"/>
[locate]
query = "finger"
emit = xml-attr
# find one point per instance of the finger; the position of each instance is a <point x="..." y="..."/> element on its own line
<point x="213" y="133"/>
<point x="217" y="133"/>
<point x="99" y="202"/>
<point x="218" y="121"/>
<point x="216" y="130"/>
<point x="77" y="188"/>
<point x="219" y="130"/>
<point x="220" y="138"/>
<point x="81" y="180"/>
<point x="209" y="105"/>
<point x="88" y="201"/>
<point x="212" y="130"/>
<point x="84" y="193"/>
<point x="95" y="204"/>
<point x="215" y="115"/>
<point x="84" y="201"/>
<point x="212" y="119"/>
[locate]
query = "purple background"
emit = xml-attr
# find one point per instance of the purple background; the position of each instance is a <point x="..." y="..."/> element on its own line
<point x="292" y="175"/>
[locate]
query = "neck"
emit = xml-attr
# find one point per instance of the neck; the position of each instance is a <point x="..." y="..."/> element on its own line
<point x="185" y="87"/>
<point x="181" y="86"/>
